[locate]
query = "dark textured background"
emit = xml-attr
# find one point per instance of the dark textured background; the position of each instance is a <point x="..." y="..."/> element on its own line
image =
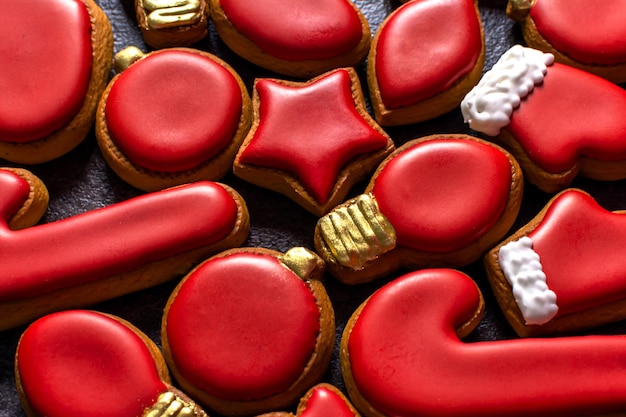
<point x="81" y="181"/>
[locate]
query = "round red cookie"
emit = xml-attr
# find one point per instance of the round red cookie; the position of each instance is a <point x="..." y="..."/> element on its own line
<point x="249" y="330"/>
<point x="56" y="60"/>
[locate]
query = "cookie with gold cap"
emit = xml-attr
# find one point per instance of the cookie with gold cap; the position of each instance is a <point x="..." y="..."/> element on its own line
<point x="169" y="23"/>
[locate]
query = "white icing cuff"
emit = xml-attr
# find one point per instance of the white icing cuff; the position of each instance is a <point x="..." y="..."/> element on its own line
<point x="522" y="268"/>
<point x="489" y="105"/>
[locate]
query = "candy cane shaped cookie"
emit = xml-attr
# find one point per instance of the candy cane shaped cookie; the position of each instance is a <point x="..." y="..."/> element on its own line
<point x="90" y="364"/>
<point x="110" y="251"/>
<point x="401" y="356"/>
<point x="323" y="400"/>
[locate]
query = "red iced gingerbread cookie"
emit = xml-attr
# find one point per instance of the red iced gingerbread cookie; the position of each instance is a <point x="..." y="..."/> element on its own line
<point x="89" y="364"/>
<point x="56" y="58"/>
<point x="110" y="251"/>
<point x="577" y="32"/>
<point x="533" y="106"/>
<point x="301" y="39"/>
<point x="167" y="23"/>
<point x="425" y="57"/>
<point x="171" y="117"/>
<point x="442" y="200"/>
<point x="250" y="330"/>
<point x="311" y="141"/>
<point x="323" y="400"/>
<point x="402" y="355"/>
<point x="563" y="270"/>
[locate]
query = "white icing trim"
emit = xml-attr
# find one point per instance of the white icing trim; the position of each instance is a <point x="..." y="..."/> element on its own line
<point x="522" y="268"/>
<point x="489" y="105"/>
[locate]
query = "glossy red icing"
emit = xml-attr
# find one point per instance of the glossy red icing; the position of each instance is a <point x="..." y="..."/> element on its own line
<point x="311" y="131"/>
<point x="173" y="110"/>
<point x="572" y="114"/>
<point x="306" y="30"/>
<point x="109" y="240"/>
<point x="583" y="30"/>
<point x="46" y="50"/>
<point x="242" y="327"/>
<point x="424" y="48"/>
<point x="407" y="359"/>
<point x="323" y="402"/>
<point x="577" y="242"/>
<point x="441" y="195"/>
<point x="82" y="363"/>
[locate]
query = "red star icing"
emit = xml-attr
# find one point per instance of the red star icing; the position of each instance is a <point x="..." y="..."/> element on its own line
<point x="311" y="130"/>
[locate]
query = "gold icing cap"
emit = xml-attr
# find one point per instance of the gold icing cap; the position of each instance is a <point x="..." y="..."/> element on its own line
<point x="518" y="10"/>
<point x="303" y="262"/>
<point x="171" y="405"/>
<point x="126" y="57"/>
<point x="164" y="14"/>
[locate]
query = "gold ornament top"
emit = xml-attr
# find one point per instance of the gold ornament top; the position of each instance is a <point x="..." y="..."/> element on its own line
<point x="357" y="232"/>
<point x="171" y="405"/>
<point x="171" y="13"/>
<point x="518" y="10"/>
<point x="126" y="57"/>
<point x="302" y="262"/>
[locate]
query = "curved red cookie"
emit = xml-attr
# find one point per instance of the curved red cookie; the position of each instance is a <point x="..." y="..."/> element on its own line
<point x="578" y="33"/>
<point x="56" y="60"/>
<point x="442" y="200"/>
<point x="425" y="57"/>
<point x="167" y="23"/>
<point x="561" y="268"/>
<point x="323" y="400"/>
<point x="172" y="116"/>
<point x="402" y="356"/>
<point x="84" y="363"/>
<point x="250" y="330"/>
<point x="110" y="251"/>
<point x="311" y="141"/>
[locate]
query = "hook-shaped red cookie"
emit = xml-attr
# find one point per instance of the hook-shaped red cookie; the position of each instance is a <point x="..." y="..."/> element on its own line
<point x="90" y="364"/>
<point x="250" y="330"/>
<point x="323" y="400"/>
<point x="402" y="355"/>
<point x="107" y="252"/>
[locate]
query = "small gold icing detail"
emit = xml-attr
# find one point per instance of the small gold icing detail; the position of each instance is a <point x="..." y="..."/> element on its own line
<point x="126" y="57"/>
<point x="170" y="405"/>
<point x="518" y="10"/>
<point x="357" y="233"/>
<point x="301" y="261"/>
<point x="171" y="13"/>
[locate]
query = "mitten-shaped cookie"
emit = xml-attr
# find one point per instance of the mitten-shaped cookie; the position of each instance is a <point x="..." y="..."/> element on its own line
<point x="107" y="252"/>
<point x="90" y="364"/>
<point x="577" y="32"/>
<point x="167" y="23"/>
<point x="172" y="116"/>
<point x="558" y="121"/>
<point x="402" y="355"/>
<point x="441" y="200"/>
<point x="250" y="330"/>
<point x="56" y="58"/>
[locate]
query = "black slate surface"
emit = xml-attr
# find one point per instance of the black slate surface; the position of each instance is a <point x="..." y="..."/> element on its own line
<point x="81" y="181"/>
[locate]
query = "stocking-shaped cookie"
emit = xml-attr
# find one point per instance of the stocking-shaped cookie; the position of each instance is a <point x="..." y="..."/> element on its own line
<point x="56" y="58"/>
<point x="166" y="23"/>
<point x="171" y="117"/>
<point x="441" y="200"/>
<point x="402" y="355"/>
<point x="107" y="252"/>
<point x="323" y="400"/>
<point x="425" y="57"/>
<point x="89" y="364"/>
<point x="577" y="32"/>
<point x="558" y="121"/>
<point x="563" y="271"/>
<point x="250" y="330"/>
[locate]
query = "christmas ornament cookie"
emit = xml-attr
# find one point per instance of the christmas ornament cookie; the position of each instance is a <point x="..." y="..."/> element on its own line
<point x="577" y="33"/>
<point x="311" y="141"/>
<point x="402" y="355"/>
<point x="441" y="200"/>
<point x="168" y="23"/>
<point x="171" y="117"/>
<point x="107" y="252"/>
<point x="323" y="400"/>
<point x="250" y="330"/>
<point x="56" y="58"/>
<point x="90" y="364"/>
<point x="308" y="39"/>
<point x="562" y="271"/>
<point x="533" y="106"/>
<point x="426" y="56"/>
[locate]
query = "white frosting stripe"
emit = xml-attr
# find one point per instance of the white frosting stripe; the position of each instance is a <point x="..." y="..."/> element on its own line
<point x="489" y="105"/>
<point x="522" y="268"/>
